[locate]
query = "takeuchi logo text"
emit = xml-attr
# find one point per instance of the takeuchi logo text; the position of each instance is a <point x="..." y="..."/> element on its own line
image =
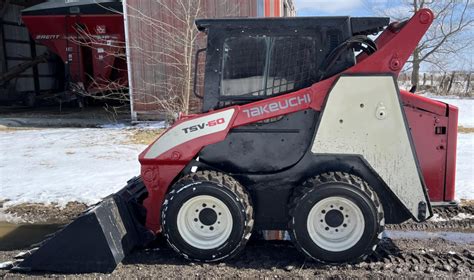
<point x="277" y="106"/>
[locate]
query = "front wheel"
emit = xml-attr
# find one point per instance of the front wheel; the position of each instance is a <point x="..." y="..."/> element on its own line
<point x="207" y="216"/>
<point x="336" y="217"/>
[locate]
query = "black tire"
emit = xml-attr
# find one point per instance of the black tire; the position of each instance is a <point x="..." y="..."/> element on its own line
<point x="334" y="240"/>
<point x="228" y="194"/>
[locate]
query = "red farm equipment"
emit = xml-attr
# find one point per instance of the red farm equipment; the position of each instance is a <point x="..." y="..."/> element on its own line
<point x="89" y="38"/>
<point x="303" y="129"/>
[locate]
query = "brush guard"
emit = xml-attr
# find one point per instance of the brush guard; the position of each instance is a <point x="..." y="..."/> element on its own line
<point x="96" y="241"/>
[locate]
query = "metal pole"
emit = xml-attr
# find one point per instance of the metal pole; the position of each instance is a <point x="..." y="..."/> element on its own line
<point x="3" y="51"/>
<point x="129" y="62"/>
<point x="35" y="67"/>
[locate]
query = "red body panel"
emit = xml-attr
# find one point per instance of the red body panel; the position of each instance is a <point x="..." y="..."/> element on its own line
<point x="451" y="153"/>
<point x="436" y="152"/>
<point x="395" y="47"/>
<point x="430" y="149"/>
<point x="423" y="103"/>
<point x="91" y="52"/>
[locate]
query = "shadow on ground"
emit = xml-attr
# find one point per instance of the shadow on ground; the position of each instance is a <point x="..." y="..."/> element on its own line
<point x="258" y="254"/>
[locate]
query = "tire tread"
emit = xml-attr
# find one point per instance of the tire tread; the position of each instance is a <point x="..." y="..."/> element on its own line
<point x="231" y="184"/>
<point x="312" y="185"/>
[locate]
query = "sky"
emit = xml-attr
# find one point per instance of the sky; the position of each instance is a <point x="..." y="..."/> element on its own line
<point x="345" y="7"/>
<point x="398" y="8"/>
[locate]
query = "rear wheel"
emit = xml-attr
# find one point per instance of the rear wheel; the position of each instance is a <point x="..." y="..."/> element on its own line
<point x="207" y="216"/>
<point x="336" y="217"/>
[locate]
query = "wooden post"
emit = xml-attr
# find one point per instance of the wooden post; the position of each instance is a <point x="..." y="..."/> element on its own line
<point x="424" y="78"/>
<point x="441" y="84"/>
<point x="451" y="81"/>
<point x="3" y="53"/>
<point x="432" y="82"/>
<point x="468" y="83"/>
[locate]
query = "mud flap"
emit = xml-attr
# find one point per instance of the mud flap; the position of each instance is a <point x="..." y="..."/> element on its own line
<point x="363" y="116"/>
<point x="98" y="240"/>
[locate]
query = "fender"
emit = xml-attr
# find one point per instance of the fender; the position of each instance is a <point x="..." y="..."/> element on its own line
<point x="364" y="116"/>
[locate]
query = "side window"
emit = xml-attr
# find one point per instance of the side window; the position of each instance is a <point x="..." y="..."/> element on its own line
<point x="260" y="66"/>
<point x="292" y="64"/>
<point x="244" y="66"/>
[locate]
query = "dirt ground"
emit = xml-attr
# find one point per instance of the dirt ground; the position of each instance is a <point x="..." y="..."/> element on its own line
<point x="402" y="258"/>
<point x="55" y="116"/>
<point x="409" y="257"/>
<point x="35" y="213"/>
<point x="98" y="112"/>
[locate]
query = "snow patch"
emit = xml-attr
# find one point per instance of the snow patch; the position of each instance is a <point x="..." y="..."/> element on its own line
<point x="457" y="237"/>
<point x="6" y="265"/>
<point x="466" y="108"/>
<point x="59" y="165"/>
<point x="114" y="125"/>
<point x="10" y="218"/>
<point x="151" y="125"/>
<point x="62" y="165"/>
<point x="437" y="218"/>
<point x="465" y="166"/>
<point x="459" y="217"/>
<point x="462" y="216"/>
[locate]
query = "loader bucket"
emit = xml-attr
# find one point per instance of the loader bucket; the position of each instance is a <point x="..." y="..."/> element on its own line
<point x="98" y="240"/>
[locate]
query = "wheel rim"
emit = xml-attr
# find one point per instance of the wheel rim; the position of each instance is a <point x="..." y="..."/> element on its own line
<point x="204" y="222"/>
<point x="335" y="224"/>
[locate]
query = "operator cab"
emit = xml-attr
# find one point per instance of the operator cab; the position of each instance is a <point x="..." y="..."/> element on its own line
<point x="254" y="58"/>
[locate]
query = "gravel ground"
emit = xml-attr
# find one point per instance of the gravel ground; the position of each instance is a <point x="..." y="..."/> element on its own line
<point x="36" y="213"/>
<point x="403" y="257"/>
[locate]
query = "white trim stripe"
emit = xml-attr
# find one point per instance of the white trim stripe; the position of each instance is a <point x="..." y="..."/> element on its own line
<point x="189" y="130"/>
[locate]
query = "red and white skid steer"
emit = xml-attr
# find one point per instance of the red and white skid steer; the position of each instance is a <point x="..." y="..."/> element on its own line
<point x="303" y="129"/>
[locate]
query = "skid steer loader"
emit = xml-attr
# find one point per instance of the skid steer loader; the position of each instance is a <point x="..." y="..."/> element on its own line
<point x="303" y="129"/>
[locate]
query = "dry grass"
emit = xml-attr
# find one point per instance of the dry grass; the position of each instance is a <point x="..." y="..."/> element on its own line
<point x="4" y="128"/>
<point x="144" y="136"/>
<point x="466" y="202"/>
<point x="462" y="129"/>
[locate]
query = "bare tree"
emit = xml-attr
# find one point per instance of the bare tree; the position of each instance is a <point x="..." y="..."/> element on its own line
<point x="450" y="33"/>
<point x="167" y="45"/>
<point x="163" y="43"/>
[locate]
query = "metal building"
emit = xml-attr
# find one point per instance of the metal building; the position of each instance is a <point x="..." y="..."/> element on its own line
<point x="160" y="58"/>
<point x="26" y="69"/>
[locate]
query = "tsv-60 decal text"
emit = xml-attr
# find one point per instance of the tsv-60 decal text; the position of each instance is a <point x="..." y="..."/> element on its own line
<point x="203" y="125"/>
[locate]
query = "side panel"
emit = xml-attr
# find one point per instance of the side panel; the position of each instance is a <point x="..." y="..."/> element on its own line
<point x="449" y="193"/>
<point x="429" y="135"/>
<point x="363" y="116"/>
<point x="263" y="147"/>
<point x="433" y="125"/>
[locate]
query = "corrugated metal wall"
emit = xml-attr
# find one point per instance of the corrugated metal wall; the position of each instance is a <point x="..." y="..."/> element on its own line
<point x="156" y="70"/>
<point x="18" y="48"/>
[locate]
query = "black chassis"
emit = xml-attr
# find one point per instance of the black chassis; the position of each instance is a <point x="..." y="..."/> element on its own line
<point x="271" y="191"/>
